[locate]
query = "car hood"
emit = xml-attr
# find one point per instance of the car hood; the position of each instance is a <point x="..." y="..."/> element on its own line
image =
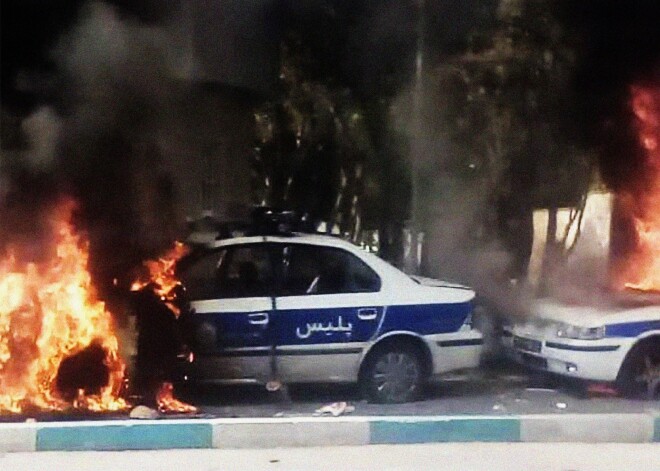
<point x="593" y="316"/>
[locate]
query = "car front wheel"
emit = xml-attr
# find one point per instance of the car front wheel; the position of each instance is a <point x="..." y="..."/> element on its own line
<point x="640" y="372"/>
<point x="393" y="374"/>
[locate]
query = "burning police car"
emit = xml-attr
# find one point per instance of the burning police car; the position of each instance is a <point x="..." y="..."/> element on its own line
<point x="308" y="308"/>
<point x="618" y="342"/>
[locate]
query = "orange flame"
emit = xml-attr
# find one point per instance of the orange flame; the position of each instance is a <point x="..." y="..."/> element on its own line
<point x="167" y="403"/>
<point x="642" y="267"/>
<point x="162" y="277"/>
<point x="49" y="312"/>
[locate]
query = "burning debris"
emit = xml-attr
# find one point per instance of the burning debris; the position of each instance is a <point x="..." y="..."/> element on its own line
<point x="160" y="277"/>
<point x="160" y="337"/>
<point x="58" y="348"/>
<point x="167" y="403"/>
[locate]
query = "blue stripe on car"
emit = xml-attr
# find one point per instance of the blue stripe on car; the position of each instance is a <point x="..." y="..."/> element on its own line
<point x="426" y="319"/>
<point x="233" y="329"/>
<point x="631" y="329"/>
<point x="423" y="319"/>
<point x="285" y="322"/>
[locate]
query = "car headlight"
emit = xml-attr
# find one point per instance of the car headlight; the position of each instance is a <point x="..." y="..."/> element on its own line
<point x="569" y="331"/>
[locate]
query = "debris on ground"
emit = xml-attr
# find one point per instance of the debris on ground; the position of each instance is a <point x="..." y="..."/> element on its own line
<point x="561" y="405"/>
<point x="143" y="412"/>
<point x="335" y="409"/>
<point x="499" y="408"/>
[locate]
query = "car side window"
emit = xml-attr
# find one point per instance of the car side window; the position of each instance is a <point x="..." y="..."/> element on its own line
<point x="313" y="270"/>
<point x="199" y="275"/>
<point x="246" y="272"/>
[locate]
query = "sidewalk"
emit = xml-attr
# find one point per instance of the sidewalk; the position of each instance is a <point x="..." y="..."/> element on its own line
<point x="325" y="431"/>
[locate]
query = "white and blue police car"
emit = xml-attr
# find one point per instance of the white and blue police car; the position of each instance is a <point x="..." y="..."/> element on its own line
<point x="616" y="342"/>
<point x="310" y="308"/>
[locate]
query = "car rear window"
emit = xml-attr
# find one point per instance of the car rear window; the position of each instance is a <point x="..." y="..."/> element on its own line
<point x="311" y="270"/>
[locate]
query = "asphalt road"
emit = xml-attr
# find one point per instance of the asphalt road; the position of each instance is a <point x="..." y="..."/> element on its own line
<point x="451" y="456"/>
<point x="501" y="389"/>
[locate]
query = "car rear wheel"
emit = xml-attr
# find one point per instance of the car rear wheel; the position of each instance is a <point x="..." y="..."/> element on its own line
<point x="639" y="377"/>
<point x="393" y="374"/>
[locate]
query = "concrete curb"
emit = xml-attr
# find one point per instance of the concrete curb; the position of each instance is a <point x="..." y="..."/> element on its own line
<point x="324" y="431"/>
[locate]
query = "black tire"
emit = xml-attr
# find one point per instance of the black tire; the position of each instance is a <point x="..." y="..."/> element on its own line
<point x="639" y="376"/>
<point x="393" y="374"/>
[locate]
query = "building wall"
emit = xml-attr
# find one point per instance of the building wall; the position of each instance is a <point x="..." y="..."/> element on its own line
<point x="209" y="149"/>
<point x="234" y="42"/>
<point x="228" y="62"/>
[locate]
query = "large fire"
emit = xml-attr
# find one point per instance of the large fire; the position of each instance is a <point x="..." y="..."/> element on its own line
<point x="50" y="319"/>
<point x="641" y="267"/>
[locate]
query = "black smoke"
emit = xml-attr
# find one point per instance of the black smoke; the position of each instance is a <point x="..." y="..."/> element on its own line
<point x="88" y="90"/>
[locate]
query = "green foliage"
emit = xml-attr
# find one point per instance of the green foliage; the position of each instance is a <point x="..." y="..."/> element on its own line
<point x="312" y="146"/>
<point x="497" y="112"/>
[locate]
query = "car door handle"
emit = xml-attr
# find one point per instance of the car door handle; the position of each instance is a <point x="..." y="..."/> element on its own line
<point x="367" y="313"/>
<point x="258" y="318"/>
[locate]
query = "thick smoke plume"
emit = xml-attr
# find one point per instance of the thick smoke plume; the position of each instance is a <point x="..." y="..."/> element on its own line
<point x="99" y="138"/>
<point x="120" y="88"/>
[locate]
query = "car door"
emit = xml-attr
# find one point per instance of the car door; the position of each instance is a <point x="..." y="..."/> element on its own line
<point x="231" y="293"/>
<point x="328" y="309"/>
